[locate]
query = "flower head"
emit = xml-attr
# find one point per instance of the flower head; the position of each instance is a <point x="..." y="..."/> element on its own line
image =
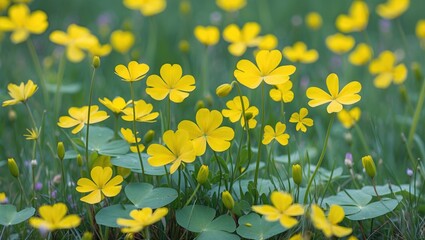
<point x="143" y="112"/>
<point x="369" y="166"/>
<point x="278" y="134"/>
<point x="3" y="198"/>
<point x="313" y="20"/>
<point x="384" y="66"/>
<point x="282" y="92"/>
<point x="234" y="113"/>
<point x="54" y="217"/>
<point x="267" y="70"/>
<point x="240" y="39"/>
<point x="349" y="117"/>
<point x="133" y="72"/>
<point x="347" y="96"/>
<point x="267" y="42"/>
<point x="116" y="105"/>
<point x="140" y="219"/>
<point x="208" y="35"/>
<point x="146" y="7"/>
<point x="21" y="93"/>
<point x="32" y="134"/>
<point x="78" y="117"/>
<point x="231" y="5"/>
<point x="301" y="120"/>
<point x="356" y="20"/>
<point x="178" y="148"/>
<point x="171" y="83"/>
<point x="340" y="43"/>
<point x="282" y="209"/>
<point x="207" y="130"/>
<point x="21" y="22"/>
<point x="420" y="29"/>
<point x="128" y="136"/>
<point x="361" y="54"/>
<point x="392" y="8"/>
<point x="329" y="225"/>
<point x="299" y="53"/>
<point x="100" y="186"/>
<point x="122" y="41"/>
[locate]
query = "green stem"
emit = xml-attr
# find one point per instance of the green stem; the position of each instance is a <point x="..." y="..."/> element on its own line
<point x="362" y="138"/>
<point x="88" y="120"/>
<point x="416" y="116"/>
<point x="219" y="169"/>
<point x="193" y="195"/>
<point x="288" y="150"/>
<point x="169" y="113"/>
<point x="135" y="130"/>
<point x="38" y="69"/>
<point x="22" y="191"/>
<point x="403" y="36"/>
<point x="58" y="94"/>
<point x="205" y="87"/>
<point x="322" y="155"/>
<point x="257" y="164"/>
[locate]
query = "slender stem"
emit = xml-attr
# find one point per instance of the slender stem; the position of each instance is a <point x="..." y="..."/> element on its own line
<point x="58" y="94"/>
<point x="193" y="195"/>
<point x="88" y="119"/>
<point x="403" y="36"/>
<point x="169" y="113"/>
<point x="22" y="191"/>
<point x="257" y="165"/>
<point x="38" y="69"/>
<point x="63" y="180"/>
<point x="322" y="155"/>
<point x="374" y="189"/>
<point x="205" y="73"/>
<point x="135" y="129"/>
<point x="219" y="169"/>
<point x="116" y="125"/>
<point x="288" y="150"/>
<point x="362" y="138"/>
<point x="416" y="115"/>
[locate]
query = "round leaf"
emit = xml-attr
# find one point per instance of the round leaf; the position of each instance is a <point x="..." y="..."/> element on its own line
<point x="108" y="216"/>
<point x="144" y="195"/>
<point x="252" y="226"/>
<point x="9" y="215"/>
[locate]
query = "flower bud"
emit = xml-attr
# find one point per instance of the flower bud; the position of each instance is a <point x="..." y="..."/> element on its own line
<point x="3" y="198"/>
<point x="348" y="161"/>
<point x="297" y="174"/>
<point x="96" y="62"/>
<point x="79" y="160"/>
<point x="248" y="115"/>
<point x="199" y="104"/>
<point x="224" y="90"/>
<point x="87" y="236"/>
<point x="185" y="7"/>
<point x="184" y="46"/>
<point x="416" y="67"/>
<point x="203" y="173"/>
<point x="227" y="199"/>
<point x="148" y="137"/>
<point x="12" y="115"/>
<point x="13" y="168"/>
<point x="61" y="150"/>
<point x="369" y="166"/>
<point x="34" y="162"/>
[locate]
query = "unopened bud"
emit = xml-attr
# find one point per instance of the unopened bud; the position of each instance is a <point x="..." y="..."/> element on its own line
<point x="348" y="161"/>
<point x="369" y="166"/>
<point x="223" y="90"/>
<point x="61" y="150"/>
<point x="148" y="137"/>
<point x="297" y="174"/>
<point x="57" y="179"/>
<point x="184" y="46"/>
<point x="79" y="160"/>
<point x="185" y="7"/>
<point x="248" y="115"/>
<point x="96" y="62"/>
<point x="203" y="173"/>
<point x="12" y="115"/>
<point x="199" y="104"/>
<point x="13" y="167"/>
<point x="34" y="162"/>
<point x="227" y="199"/>
<point x="416" y="67"/>
<point x="87" y="236"/>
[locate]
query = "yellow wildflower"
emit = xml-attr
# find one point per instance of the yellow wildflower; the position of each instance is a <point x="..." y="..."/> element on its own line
<point x="116" y="105"/>
<point x="146" y="7"/>
<point x="392" y="8"/>
<point x="313" y="20"/>
<point x="122" y="41"/>
<point x="78" y="117"/>
<point x="234" y="113"/>
<point x="128" y="136"/>
<point x="340" y="43"/>
<point x="208" y="35"/>
<point x="267" y="42"/>
<point x="329" y="225"/>
<point x="301" y="120"/>
<point x="231" y="5"/>
<point x="99" y="50"/>
<point x="420" y="29"/>
<point x="3" y="198"/>
<point x="299" y="53"/>
<point x="356" y="20"/>
<point x="32" y="134"/>
<point x="360" y="55"/>
<point x="240" y="39"/>
<point x="349" y="117"/>
<point x="369" y="166"/>
<point x="384" y="66"/>
<point x="282" y="92"/>
<point x="21" y="93"/>
<point x="4" y="4"/>
<point x="141" y="218"/>
<point x="277" y="134"/>
<point x="54" y="217"/>
<point x="143" y="112"/>
<point x="133" y="72"/>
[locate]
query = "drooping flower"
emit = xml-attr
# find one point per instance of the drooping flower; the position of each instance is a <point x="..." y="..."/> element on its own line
<point x="282" y="209"/>
<point x="122" y="41"/>
<point x="347" y="96"/>
<point x="384" y="66"/>
<point x="299" y="53"/>
<point x="76" y="40"/>
<point x="100" y="186"/>
<point x="329" y="225"/>
<point x="349" y="117"/>
<point x="241" y="39"/>
<point x="143" y="112"/>
<point x="340" y="43"/>
<point x="234" y="113"/>
<point x="277" y="134"/>
<point x="208" y="35"/>
<point x="231" y="5"/>
<point x="392" y="8"/>
<point x="21" y="22"/>
<point x="78" y="117"/>
<point x="360" y="55"/>
<point x="178" y="148"/>
<point x="146" y="7"/>
<point x="141" y="218"/>
<point x="171" y="83"/>
<point x="21" y="93"/>
<point x="313" y="20"/>
<point x="207" y="130"/>
<point x="356" y="20"/>
<point x="301" y="120"/>
<point x="282" y="92"/>
<point x="128" y="136"/>
<point x="117" y="105"/>
<point x="267" y="70"/>
<point x="133" y="72"/>
<point x="54" y="217"/>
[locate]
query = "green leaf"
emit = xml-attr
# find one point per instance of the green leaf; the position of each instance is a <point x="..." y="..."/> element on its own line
<point x="295" y="156"/>
<point x="108" y="216"/>
<point x="65" y="88"/>
<point x="144" y="195"/>
<point x="385" y="189"/>
<point x="216" y="235"/>
<point x="132" y="162"/>
<point x="100" y="141"/>
<point x="9" y="215"/>
<point x="375" y="209"/>
<point x="252" y="226"/>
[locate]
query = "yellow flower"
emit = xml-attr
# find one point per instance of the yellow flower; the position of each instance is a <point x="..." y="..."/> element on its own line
<point x="21" y="93"/>
<point x="99" y="50"/>
<point x="369" y="166"/>
<point x="267" y="42"/>
<point x="141" y="218"/>
<point x="146" y="7"/>
<point x="234" y="113"/>
<point x="4" y="4"/>
<point x="122" y="41"/>
<point x="240" y="39"/>
<point x="340" y="43"/>
<point x="227" y="200"/>
<point x="208" y="35"/>
<point x="392" y="8"/>
<point x="349" y="118"/>
<point x="386" y="70"/>
<point x="282" y="92"/>
<point x="143" y="112"/>
<point x="329" y="226"/>
<point x="297" y="236"/>
<point x="360" y="55"/>
<point x="133" y="72"/>
<point x="207" y="130"/>
<point x="420" y="29"/>
<point x="282" y="209"/>
<point x="79" y="119"/>
<point x="76" y="39"/>
<point x="102" y="185"/>
<point x="128" y="136"/>
<point x="224" y="89"/>
<point x="277" y="134"/>
<point x="231" y="5"/>
<point x="21" y="22"/>
<point x="356" y="20"/>
<point x="268" y="70"/>
<point x="299" y="53"/>
<point x="301" y="120"/>
<point x="179" y="149"/>
<point x="347" y="96"/>
<point x="116" y="105"/>
<point x="32" y="134"/>
<point x="54" y="217"/>
<point x="313" y="20"/>
<point x="171" y="82"/>
<point x="3" y="198"/>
